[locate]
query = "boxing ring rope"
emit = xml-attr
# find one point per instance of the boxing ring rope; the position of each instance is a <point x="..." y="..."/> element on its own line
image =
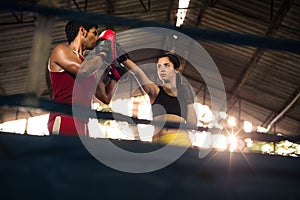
<point x="27" y="100"/>
<point x="289" y="45"/>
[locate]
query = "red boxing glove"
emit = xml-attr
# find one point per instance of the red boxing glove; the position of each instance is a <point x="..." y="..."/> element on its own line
<point x="111" y="36"/>
<point x="107" y="35"/>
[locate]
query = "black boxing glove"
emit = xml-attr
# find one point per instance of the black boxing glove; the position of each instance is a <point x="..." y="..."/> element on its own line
<point x="103" y="46"/>
<point x="116" y="71"/>
<point x="106" y="43"/>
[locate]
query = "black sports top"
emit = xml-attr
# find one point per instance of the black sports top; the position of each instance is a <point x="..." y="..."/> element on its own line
<point x="166" y="104"/>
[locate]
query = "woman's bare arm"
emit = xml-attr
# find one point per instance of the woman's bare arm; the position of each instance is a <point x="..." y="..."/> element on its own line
<point x="149" y="87"/>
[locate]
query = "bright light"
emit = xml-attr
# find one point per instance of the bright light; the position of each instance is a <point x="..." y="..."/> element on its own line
<point x="281" y="151"/>
<point x="297" y="148"/>
<point x="223" y="115"/>
<point x="231" y="121"/>
<point x="144" y="109"/>
<point x="203" y="112"/>
<point x="267" y="148"/>
<point x="96" y="129"/>
<point x="232" y="141"/>
<point x="16" y="126"/>
<point x="122" y="106"/>
<point x="261" y="129"/>
<point x="208" y="116"/>
<point x="247" y="126"/>
<point x="38" y="125"/>
<point x="208" y="140"/>
<point x="181" y="12"/>
<point x="118" y="130"/>
<point x="249" y="142"/>
<point x="202" y="139"/>
<point x="96" y="106"/>
<point x="288" y="143"/>
<point x="219" y="141"/>
<point x="145" y="132"/>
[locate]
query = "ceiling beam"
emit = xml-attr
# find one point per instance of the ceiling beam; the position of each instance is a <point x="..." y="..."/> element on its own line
<point x="171" y="14"/>
<point x="202" y="9"/>
<point x="110" y="6"/>
<point x="77" y="6"/>
<point x="205" y="5"/>
<point x="19" y="19"/>
<point x="250" y="66"/>
<point x="85" y="5"/>
<point x="146" y="8"/>
<point x="285" y="105"/>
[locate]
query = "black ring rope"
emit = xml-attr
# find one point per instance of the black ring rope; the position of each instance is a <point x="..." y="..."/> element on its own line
<point x="81" y="112"/>
<point x="28" y="100"/>
<point x="195" y="33"/>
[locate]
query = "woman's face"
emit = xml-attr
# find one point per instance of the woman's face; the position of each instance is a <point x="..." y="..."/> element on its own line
<point x="165" y="69"/>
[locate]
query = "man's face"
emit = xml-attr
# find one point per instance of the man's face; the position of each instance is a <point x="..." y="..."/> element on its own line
<point x="91" y="38"/>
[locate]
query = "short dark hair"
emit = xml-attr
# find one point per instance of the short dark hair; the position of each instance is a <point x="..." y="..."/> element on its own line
<point x="72" y="28"/>
<point x="172" y="57"/>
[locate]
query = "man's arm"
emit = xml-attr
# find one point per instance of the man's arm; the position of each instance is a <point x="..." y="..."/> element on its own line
<point x="105" y="93"/>
<point x="90" y="65"/>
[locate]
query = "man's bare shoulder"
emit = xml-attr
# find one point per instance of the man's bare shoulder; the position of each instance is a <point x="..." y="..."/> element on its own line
<point x="59" y="48"/>
<point x="60" y="52"/>
<point x="57" y="57"/>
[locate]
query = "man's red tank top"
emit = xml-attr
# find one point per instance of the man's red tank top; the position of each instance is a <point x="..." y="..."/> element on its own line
<point x="63" y="85"/>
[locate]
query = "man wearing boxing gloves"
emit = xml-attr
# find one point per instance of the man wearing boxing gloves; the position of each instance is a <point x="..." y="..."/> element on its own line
<point x="172" y="101"/>
<point x="114" y="71"/>
<point x="67" y="72"/>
